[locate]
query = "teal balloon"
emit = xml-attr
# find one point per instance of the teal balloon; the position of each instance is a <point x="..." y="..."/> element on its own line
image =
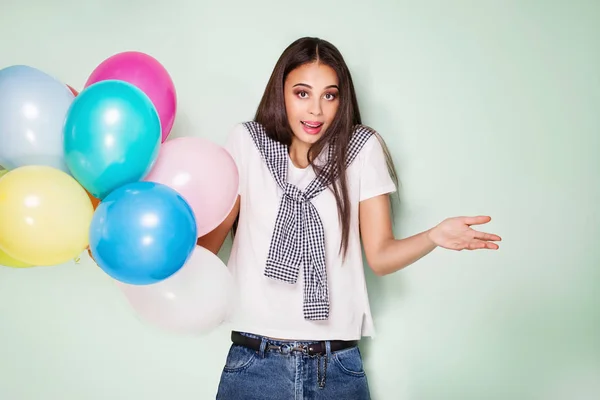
<point x="112" y="136"/>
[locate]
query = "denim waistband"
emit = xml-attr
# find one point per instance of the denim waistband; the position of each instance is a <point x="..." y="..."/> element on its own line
<point x="288" y="347"/>
<point x="278" y="341"/>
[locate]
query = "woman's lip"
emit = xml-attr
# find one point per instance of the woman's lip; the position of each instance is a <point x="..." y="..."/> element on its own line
<point x="314" y="124"/>
<point x="312" y="130"/>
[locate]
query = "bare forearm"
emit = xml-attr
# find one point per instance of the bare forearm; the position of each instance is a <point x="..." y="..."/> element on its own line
<point x="213" y="241"/>
<point x="396" y="254"/>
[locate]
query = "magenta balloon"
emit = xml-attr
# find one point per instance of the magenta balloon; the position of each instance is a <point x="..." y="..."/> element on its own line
<point x="147" y="74"/>
<point x="205" y="175"/>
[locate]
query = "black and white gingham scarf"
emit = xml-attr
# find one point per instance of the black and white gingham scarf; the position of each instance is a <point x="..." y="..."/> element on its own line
<point x="298" y="237"/>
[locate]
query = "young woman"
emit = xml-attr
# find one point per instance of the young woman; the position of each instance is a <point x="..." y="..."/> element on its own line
<point x="314" y="182"/>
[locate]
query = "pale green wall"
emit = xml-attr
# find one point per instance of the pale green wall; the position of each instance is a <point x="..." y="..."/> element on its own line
<point x="488" y="107"/>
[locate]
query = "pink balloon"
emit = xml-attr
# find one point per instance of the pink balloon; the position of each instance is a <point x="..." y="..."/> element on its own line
<point x="204" y="173"/>
<point x="148" y="75"/>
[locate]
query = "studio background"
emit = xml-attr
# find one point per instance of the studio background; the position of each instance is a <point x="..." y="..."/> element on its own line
<point x="488" y="107"/>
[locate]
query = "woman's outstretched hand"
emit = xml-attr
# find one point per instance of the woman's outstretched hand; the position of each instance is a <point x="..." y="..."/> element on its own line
<point x="456" y="234"/>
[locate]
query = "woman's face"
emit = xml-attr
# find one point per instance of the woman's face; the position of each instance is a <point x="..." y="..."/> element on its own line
<point x="311" y="94"/>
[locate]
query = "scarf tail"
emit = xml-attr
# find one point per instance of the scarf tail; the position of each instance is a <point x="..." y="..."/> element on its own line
<point x="285" y="251"/>
<point x="316" y="291"/>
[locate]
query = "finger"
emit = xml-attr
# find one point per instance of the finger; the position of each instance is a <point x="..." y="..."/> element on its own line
<point x="479" y="244"/>
<point x="480" y="219"/>
<point x="486" y="236"/>
<point x="491" y="246"/>
<point x="476" y="245"/>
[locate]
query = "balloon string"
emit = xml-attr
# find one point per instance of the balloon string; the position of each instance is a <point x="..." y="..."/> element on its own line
<point x="77" y="260"/>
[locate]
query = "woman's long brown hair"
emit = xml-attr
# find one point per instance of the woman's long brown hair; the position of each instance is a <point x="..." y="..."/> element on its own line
<point x="272" y="115"/>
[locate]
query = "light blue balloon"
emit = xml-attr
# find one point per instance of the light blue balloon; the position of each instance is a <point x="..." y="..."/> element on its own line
<point x="112" y="136"/>
<point x="142" y="233"/>
<point x="33" y="107"/>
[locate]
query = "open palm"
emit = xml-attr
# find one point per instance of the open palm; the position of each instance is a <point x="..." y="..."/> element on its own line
<point x="456" y="234"/>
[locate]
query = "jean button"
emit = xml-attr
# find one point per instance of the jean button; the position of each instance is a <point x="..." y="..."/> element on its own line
<point x="285" y="348"/>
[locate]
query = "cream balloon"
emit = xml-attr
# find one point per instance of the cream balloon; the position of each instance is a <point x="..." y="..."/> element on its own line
<point x="194" y="300"/>
<point x="45" y="214"/>
<point x="9" y="261"/>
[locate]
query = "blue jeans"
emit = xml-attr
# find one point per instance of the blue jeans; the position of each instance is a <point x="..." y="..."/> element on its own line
<point x="281" y="374"/>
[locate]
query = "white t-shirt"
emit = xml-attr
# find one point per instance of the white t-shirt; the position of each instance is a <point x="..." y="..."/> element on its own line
<point x="272" y="308"/>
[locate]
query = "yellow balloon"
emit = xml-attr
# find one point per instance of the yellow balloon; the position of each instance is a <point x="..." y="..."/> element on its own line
<point x="45" y="215"/>
<point x="8" y="261"/>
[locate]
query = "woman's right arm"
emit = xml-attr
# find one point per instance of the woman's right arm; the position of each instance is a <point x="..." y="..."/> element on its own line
<point x="236" y="145"/>
<point x="213" y="240"/>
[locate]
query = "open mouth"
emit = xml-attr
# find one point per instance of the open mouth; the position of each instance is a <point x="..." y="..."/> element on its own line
<point x="312" y="124"/>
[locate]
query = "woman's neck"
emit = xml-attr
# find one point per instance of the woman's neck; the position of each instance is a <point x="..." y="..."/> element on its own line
<point x="298" y="152"/>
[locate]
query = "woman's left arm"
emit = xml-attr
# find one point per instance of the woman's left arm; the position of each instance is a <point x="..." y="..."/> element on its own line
<point x="386" y="254"/>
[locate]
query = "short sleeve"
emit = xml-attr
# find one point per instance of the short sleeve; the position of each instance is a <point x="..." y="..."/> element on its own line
<point x="375" y="176"/>
<point x="235" y="145"/>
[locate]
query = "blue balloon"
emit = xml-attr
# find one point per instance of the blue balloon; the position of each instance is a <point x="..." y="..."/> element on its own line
<point x="142" y="233"/>
<point x="33" y="107"/>
<point x="112" y="136"/>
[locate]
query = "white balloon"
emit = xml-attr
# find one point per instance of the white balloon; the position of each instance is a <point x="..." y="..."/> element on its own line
<point x="194" y="300"/>
<point x="33" y="108"/>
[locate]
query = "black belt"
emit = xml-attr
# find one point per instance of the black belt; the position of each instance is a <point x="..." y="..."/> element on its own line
<point x="312" y="349"/>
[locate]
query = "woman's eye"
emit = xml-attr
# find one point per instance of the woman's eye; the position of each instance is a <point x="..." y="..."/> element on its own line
<point x="329" y="96"/>
<point x="302" y="95"/>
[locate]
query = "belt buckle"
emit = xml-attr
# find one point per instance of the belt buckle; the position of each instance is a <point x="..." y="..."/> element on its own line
<point x="288" y="348"/>
<point x="301" y="348"/>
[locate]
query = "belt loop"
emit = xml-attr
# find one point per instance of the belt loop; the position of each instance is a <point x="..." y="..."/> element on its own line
<point x="263" y="346"/>
<point x="328" y="348"/>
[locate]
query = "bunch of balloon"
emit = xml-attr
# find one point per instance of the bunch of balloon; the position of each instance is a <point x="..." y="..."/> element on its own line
<point x="157" y="196"/>
<point x="45" y="213"/>
<point x="199" y="296"/>
<point x="141" y="233"/>
<point x="94" y="170"/>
